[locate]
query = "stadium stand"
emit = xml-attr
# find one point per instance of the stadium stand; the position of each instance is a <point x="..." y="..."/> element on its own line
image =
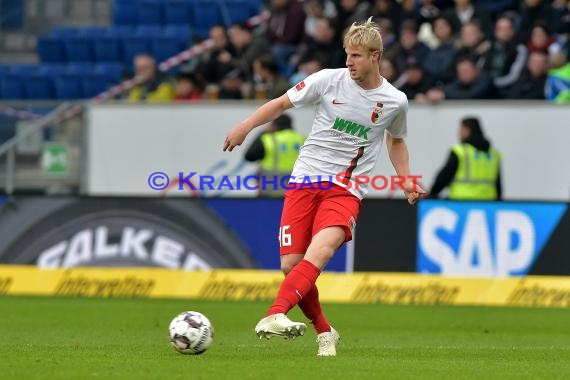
<point x="105" y="54"/>
<point x="72" y="59"/>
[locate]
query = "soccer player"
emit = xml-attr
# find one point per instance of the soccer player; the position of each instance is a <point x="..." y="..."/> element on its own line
<point x="354" y="107"/>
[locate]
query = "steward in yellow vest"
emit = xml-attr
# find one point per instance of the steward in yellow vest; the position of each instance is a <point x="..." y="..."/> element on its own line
<point x="473" y="169"/>
<point x="276" y="150"/>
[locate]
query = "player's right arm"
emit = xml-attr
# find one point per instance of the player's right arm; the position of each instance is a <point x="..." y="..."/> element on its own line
<point x="264" y="114"/>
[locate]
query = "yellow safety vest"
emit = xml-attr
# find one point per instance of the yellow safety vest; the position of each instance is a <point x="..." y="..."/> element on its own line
<point x="476" y="175"/>
<point x="281" y="151"/>
<point x="163" y="93"/>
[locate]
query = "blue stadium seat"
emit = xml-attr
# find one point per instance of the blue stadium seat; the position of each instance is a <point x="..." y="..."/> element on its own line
<point x="148" y="31"/>
<point x="79" y="68"/>
<point x="38" y="86"/>
<point x="206" y="14"/>
<point x="93" y="31"/>
<point x="23" y="69"/>
<point x="163" y="48"/>
<point x="12" y="87"/>
<point x="107" y="49"/>
<point x="121" y="31"/>
<point x="50" y="49"/>
<point x="64" y="31"/>
<point x="149" y="12"/>
<point x="53" y="69"/>
<point x="178" y="12"/>
<point x="255" y="6"/>
<point x="94" y="84"/>
<point x="133" y="46"/>
<point x="124" y="13"/>
<point x="183" y="32"/>
<point x="78" y="49"/>
<point x="112" y="71"/>
<point x="68" y="87"/>
<point x="236" y="11"/>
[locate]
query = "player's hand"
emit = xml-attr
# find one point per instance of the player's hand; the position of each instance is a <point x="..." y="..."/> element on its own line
<point x="235" y="137"/>
<point x="413" y="191"/>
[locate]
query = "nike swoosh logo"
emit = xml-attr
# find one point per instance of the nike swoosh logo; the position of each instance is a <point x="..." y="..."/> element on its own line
<point x="299" y="294"/>
<point x="337" y="102"/>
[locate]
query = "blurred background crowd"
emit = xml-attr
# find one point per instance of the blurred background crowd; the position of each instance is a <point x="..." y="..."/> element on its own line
<point x="433" y="50"/>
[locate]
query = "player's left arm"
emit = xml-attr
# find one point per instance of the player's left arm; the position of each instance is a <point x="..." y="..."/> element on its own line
<point x="398" y="151"/>
<point x="399" y="155"/>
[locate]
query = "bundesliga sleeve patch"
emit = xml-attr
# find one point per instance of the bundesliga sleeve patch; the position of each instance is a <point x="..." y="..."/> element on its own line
<point x="300" y="86"/>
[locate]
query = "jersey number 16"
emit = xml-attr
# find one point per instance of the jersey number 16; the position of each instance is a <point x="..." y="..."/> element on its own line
<point x="284" y="237"/>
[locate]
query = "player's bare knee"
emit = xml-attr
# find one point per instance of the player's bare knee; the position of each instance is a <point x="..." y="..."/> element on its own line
<point x="288" y="262"/>
<point x="287" y="267"/>
<point x="323" y="252"/>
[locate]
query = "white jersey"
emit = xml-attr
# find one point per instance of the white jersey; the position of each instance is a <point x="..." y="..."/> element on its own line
<point x="348" y="129"/>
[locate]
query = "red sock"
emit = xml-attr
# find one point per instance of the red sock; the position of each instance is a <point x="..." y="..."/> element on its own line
<point x="295" y="287"/>
<point x="311" y="307"/>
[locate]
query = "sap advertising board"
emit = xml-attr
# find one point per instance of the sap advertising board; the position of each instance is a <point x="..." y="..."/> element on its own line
<point x="487" y="239"/>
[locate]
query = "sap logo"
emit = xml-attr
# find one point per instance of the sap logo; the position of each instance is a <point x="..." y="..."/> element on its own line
<point x="479" y="242"/>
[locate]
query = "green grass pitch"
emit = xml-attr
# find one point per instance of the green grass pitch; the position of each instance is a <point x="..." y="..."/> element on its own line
<point x="78" y="338"/>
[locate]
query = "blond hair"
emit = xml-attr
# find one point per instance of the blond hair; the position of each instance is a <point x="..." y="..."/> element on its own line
<point x="366" y="35"/>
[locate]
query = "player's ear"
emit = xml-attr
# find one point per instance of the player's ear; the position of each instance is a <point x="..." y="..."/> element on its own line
<point x="376" y="55"/>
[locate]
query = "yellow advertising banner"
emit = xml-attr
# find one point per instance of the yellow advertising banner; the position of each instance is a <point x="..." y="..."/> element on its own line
<point x="250" y="285"/>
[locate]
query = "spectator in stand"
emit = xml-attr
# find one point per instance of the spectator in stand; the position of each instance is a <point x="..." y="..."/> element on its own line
<point x="215" y="62"/>
<point x="559" y="9"/>
<point x="388" y="9"/>
<point x="391" y="45"/>
<point x="285" y="29"/>
<point x="389" y="71"/>
<point x="507" y="57"/>
<point x="247" y="47"/>
<point x="562" y="42"/>
<point x="410" y="47"/>
<point x="558" y="80"/>
<point x="156" y="87"/>
<point x="471" y="83"/>
<point x="540" y="38"/>
<point x="530" y="12"/>
<point x="465" y="11"/>
<point x="440" y="61"/>
<point x="233" y="86"/>
<point x="187" y="88"/>
<point x="497" y="7"/>
<point x="323" y="45"/>
<point x="306" y="68"/>
<point x="533" y="79"/>
<point x="270" y="81"/>
<point x="427" y="11"/>
<point x="349" y="11"/>
<point x="316" y="10"/>
<point x="414" y="81"/>
<point x="409" y="10"/>
<point x="473" y="43"/>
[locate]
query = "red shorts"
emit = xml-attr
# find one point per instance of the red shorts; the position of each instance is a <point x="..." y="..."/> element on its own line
<point x="309" y="209"/>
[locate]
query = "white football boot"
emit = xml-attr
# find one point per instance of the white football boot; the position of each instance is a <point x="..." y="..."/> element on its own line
<point x="327" y="342"/>
<point x="279" y="325"/>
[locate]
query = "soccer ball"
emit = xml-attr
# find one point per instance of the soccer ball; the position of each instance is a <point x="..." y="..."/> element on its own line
<point x="191" y="333"/>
